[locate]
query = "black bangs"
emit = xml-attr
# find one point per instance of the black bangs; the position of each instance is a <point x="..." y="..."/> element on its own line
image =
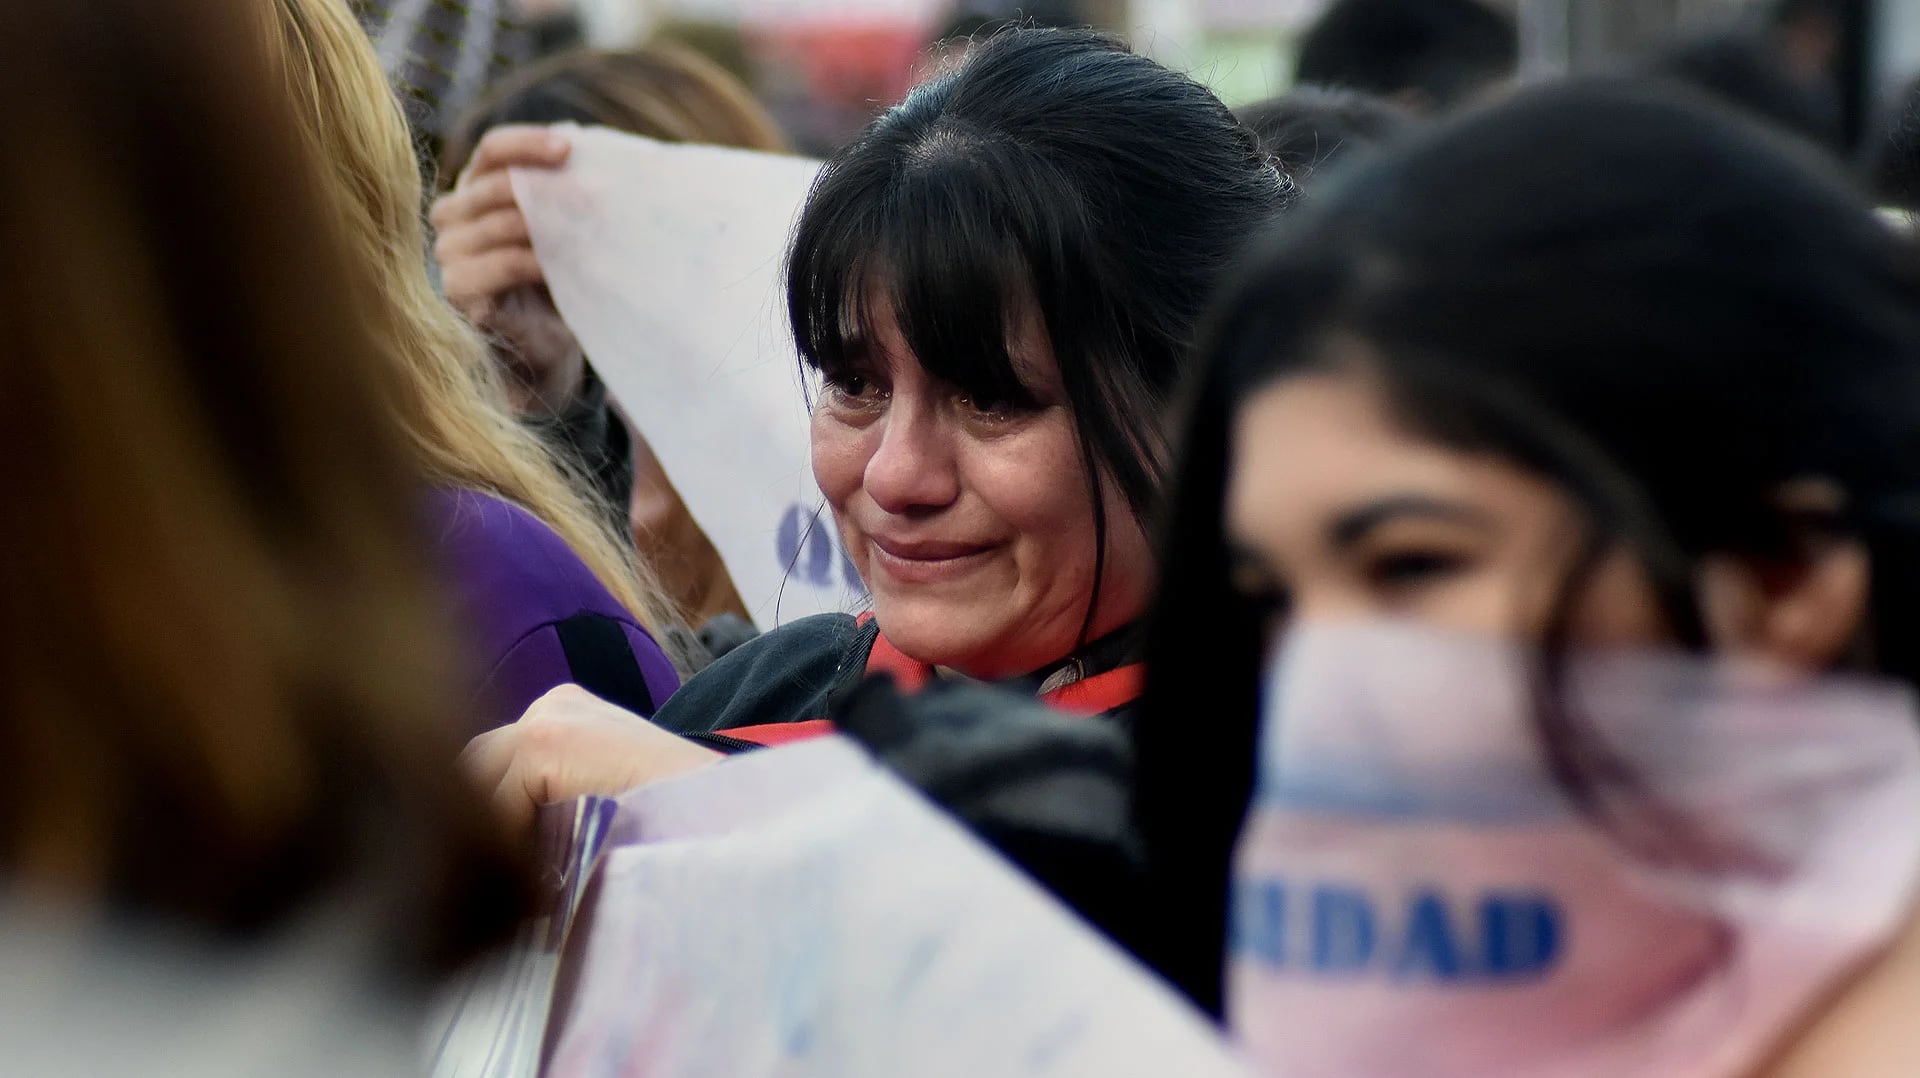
<point x="960" y="279"/>
<point x="1052" y="187"/>
<point x="937" y="243"/>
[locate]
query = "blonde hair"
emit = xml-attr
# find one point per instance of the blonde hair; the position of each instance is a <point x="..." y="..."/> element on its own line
<point x="453" y="403"/>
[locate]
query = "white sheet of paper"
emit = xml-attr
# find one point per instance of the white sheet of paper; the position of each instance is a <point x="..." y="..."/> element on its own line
<point x="800" y="911"/>
<point x="666" y="260"/>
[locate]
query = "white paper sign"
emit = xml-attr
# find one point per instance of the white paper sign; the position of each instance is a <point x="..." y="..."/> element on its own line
<point x="666" y="261"/>
<point x="801" y="912"/>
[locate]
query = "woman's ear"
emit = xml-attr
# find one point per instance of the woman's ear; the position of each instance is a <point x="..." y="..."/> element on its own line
<point x="1805" y="611"/>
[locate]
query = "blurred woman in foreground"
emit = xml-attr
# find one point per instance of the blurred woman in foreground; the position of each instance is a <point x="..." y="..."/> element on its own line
<point x="232" y="843"/>
<point x="1567" y="535"/>
<point x="547" y="592"/>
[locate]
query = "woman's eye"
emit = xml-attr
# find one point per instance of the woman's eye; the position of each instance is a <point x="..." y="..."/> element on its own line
<point x="1412" y="567"/>
<point x="852" y="387"/>
<point x="992" y="409"/>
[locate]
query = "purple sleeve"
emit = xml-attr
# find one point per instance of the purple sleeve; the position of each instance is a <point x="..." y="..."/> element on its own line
<point x="538" y="663"/>
<point x="514" y="583"/>
<point x="662" y="679"/>
<point x="523" y="675"/>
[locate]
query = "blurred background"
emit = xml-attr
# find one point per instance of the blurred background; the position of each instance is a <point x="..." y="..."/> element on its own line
<point x="825" y="66"/>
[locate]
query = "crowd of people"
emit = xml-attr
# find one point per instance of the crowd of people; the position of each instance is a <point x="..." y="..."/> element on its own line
<point x="1267" y="444"/>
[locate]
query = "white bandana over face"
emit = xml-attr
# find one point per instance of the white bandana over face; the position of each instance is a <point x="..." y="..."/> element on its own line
<point x="1416" y="895"/>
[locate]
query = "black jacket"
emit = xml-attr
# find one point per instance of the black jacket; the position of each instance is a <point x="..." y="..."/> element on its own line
<point x="1049" y="791"/>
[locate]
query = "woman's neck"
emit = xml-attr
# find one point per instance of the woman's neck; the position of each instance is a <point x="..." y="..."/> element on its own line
<point x="1866" y="1029"/>
<point x="1116" y="649"/>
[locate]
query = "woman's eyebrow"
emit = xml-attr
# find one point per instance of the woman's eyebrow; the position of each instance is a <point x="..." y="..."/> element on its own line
<point x="1354" y="525"/>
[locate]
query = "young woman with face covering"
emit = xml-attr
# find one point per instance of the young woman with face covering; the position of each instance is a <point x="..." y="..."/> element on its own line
<point x="1569" y="488"/>
<point x="997" y="286"/>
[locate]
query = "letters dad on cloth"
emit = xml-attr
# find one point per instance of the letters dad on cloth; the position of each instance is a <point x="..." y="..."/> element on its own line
<point x="800" y="911"/>
<point x="666" y="261"/>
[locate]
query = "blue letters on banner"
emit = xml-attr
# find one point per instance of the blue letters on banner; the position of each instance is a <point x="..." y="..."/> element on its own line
<point x="793" y="524"/>
<point x="1429" y="947"/>
<point x="1521" y="935"/>
<point x="1342" y="930"/>
<point x="1258" y="924"/>
<point x="809" y="549"/>
<point x="1331" y="929"/>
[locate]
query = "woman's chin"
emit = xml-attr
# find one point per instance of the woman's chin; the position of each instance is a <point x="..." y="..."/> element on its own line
<point x="941" y="633"/>
<point x="979" y="639"/>
<point x="929" y="632"/>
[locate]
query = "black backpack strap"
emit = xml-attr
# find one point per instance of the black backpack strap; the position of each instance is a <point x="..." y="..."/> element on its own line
<point x="602" y="662"/>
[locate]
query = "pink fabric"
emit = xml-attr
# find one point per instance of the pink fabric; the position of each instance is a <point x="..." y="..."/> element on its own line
<point x="1415" y="896"/>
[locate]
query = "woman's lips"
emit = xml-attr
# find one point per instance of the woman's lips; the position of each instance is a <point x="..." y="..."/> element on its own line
<point x="926" y="561"/>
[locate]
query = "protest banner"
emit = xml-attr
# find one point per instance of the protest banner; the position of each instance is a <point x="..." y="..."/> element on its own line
<point x="801" y="911"/>
<point x="666" y="262"/>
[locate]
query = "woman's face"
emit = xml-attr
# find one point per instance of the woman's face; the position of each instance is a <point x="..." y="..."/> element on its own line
<point x="971" y="521"/>
<point x="1334" y="512"/>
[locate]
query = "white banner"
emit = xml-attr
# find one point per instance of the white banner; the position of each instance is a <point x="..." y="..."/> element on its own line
<point x="802" y="912"/>
<point x="666" y="261"/>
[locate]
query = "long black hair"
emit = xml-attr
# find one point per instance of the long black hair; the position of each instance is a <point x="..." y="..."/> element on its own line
<point x="1053" y="167"/>
<point x="1667" y="311"/>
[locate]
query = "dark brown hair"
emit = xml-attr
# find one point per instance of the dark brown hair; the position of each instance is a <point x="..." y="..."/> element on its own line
<point x="659" y="90"/>
<point x="224" y="690"/>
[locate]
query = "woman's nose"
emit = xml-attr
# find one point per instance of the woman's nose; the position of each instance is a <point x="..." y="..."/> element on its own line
<point x="913" y="468"/>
